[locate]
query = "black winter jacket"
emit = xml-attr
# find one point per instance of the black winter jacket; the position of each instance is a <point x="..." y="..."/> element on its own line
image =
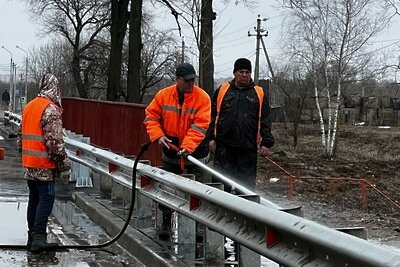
<point x="238" y="118"/>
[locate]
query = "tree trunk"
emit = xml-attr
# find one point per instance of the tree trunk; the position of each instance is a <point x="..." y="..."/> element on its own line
<point x="135" y="49"/>
<point x="76" y="73"/>
<point x="206" y="61"/>
<point x="119" y="20"/>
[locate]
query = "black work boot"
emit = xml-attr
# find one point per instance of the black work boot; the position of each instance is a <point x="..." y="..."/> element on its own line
<point x="29" y="242"/>
<point x="39" y="243"/>
<point x="165" y="231"/>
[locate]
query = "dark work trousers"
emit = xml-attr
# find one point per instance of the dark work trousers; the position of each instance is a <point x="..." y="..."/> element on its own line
<point x="236" y="163"/>
<point x="40" y="204"/>
<point x="175" y="168"/>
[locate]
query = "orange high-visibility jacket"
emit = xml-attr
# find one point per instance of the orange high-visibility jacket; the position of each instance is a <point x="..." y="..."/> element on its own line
<point x="34" y="151"/>
<point x="187" y="123"/>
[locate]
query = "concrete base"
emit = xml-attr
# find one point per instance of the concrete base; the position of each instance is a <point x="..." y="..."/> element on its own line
<point x="138" y="244"/>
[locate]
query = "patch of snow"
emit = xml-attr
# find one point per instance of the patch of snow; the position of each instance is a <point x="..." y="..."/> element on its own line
<point x="274" y="180"/>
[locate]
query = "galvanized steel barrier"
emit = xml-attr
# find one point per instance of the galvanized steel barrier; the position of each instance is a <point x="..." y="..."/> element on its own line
<point x="13" y="119"/>
<point x="284" y="238"/>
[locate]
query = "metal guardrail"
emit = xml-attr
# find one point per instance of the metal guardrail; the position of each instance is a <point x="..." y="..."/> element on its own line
<point x="12" y="118"/>
<point x="284" y="238"/>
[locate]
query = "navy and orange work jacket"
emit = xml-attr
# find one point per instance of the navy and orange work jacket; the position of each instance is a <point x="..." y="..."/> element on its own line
<point x="222" y="91"/>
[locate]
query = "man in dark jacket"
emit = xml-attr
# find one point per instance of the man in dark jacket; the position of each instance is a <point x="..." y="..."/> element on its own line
<point x="5" y="97"/>
<point x="240" y="125"/>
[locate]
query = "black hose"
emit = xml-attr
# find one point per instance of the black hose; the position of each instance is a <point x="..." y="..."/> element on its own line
<point x="144" y="147"/>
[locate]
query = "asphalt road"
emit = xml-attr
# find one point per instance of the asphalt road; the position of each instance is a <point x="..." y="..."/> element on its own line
<point x="68" y="225"/>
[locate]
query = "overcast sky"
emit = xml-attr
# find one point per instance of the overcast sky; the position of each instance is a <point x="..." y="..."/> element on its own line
<point x="231" y="29"/>
<point x="17" y="28"/>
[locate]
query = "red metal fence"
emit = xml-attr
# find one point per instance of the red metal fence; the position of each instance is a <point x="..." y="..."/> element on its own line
<point x="113" y="125"/>
<point x="361" y="182"/>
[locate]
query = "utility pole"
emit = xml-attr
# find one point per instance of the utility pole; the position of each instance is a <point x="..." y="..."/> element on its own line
<point x="183" y="49"/>
<point x="14" y="85"/>
<point x="260" y="32"/>
<point x="26" y="78"/>
<point x="20" y="92"/>
<point x="11" y="76"/>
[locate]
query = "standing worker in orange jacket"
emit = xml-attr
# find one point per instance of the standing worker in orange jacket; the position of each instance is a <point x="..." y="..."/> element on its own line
<point x="179" y="114"/>
<point x="43" y="157"/>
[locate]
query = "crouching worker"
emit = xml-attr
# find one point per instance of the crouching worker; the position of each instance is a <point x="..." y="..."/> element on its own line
<point x="44" y="159"/>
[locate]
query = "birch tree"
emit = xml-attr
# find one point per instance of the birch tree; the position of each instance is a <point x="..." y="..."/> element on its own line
<point x="330" y="37"/>
<point x="395" y="6"/>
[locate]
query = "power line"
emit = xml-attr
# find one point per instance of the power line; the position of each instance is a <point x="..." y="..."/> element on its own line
<point x="221" y="71"/>
<point x="233" y="45"/>
<point x="233" y="32"/>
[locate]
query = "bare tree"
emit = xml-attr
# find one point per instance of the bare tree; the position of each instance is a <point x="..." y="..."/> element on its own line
<point x="119" y="23"/>
<point x="330" y="38"/>
<point x="395" y="6"/>
<point x="199" y="16"/>
<point x="148" y="54"/>
<point x="191" y="13"/>
<point x="53" y="57"/>
<point x="79" y="22"/>
<point x="206" y="60"/>
<point x="135" y="50"/>
<point x="159" y="59"/>
<point x="294" y="86"/>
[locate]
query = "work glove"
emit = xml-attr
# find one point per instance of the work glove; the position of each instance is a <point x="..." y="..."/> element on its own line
<point x="65" y="175"/>
<point x="183" y="153"/>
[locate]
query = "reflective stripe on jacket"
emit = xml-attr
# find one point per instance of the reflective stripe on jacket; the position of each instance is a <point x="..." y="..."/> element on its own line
<point x="186" y="125"/>
<point x="222" y="91"/>
<point x="34" y="151"/>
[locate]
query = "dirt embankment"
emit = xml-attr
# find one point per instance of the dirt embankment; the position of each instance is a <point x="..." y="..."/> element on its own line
<point x="330" y="190"/>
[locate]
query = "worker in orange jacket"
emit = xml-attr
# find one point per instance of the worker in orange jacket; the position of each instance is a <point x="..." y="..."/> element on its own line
<point x="180" y="114"/>
<point x="43" y="157"/>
